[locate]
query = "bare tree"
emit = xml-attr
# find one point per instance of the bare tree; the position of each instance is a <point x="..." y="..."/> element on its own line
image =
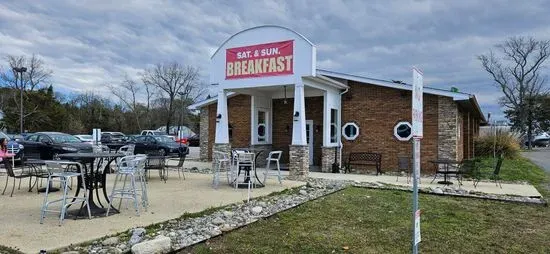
<point x="127" y="93"/>
<point x="36" y="75"/>
<point x="517" y="73"/>
<point x="171" y="79"/>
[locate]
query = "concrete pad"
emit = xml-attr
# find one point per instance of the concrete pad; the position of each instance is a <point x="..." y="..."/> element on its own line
<point x="21" y="213"/>
<point x="525" y="190"/>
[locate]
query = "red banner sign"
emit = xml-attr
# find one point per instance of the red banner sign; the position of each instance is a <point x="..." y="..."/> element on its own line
<point x="262" y="60"/>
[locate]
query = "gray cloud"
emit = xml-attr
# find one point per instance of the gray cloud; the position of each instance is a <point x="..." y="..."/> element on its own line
<point x="90" y="43"/>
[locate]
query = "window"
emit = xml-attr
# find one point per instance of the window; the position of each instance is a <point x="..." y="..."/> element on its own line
<point x="261" y="129"/>
<point x="350" y="131"/>
<point x="402" y="131"/>
<point x="333" y="125"/>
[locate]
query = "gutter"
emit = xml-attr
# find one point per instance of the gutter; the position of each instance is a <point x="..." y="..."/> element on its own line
<point x="340" y="144"/>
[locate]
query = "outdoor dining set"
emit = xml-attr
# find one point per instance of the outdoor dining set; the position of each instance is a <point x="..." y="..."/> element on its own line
<point x="231" y="165"/>
<point x="82" y="178"/>
<point x="89" y="171"/>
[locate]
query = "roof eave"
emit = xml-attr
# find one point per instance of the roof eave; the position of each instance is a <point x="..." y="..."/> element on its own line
<point x="207" y="102"/>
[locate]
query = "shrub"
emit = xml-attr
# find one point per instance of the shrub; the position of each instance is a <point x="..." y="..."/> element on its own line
<point x="506" y="144"/>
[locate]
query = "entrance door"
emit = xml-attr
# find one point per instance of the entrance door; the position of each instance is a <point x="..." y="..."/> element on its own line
<point x="309" y="139"/>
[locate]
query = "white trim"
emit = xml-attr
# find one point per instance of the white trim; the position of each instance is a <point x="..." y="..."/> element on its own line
<point x="344" y="131"/>
<point x="379" y="82"/>
<point x="395" y="131"/>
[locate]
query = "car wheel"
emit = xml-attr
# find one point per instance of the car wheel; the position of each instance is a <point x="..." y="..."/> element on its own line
<point x="163" y="152"/>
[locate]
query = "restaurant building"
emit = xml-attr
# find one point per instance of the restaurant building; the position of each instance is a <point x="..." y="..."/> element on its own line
<point x="272" y="96"/>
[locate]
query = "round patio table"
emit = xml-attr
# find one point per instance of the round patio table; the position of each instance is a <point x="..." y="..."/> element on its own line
<point x="248" y="171"/>
<point x="95" y="178"/>
<point x="446" y="163"/>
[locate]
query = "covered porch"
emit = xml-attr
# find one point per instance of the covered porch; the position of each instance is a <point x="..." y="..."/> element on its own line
<point x="299" y="119"/>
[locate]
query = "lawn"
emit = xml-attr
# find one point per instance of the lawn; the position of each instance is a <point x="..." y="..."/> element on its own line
<point x="377" y="221"/>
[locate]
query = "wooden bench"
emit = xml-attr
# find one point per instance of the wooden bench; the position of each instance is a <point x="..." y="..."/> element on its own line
<point x="364" y="159"/>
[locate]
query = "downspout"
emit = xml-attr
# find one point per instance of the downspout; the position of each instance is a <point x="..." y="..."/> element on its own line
<point x="341" y="145"/>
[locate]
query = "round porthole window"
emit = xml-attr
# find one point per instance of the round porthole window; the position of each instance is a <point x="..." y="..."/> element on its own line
<point x="350" y="131"/>
<point x="261" y="132"/>
<point x="403" y="131"/>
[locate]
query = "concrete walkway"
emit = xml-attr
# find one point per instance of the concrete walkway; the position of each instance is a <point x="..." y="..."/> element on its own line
<point x="525" y="190"/>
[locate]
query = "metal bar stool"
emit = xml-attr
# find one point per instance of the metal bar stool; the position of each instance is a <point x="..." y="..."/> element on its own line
<point x="56" y="172"/>
<point x="133" y="167"/>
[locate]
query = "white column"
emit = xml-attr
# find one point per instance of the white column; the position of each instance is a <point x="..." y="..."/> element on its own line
<point x="299" y="115"/>
<point x="222" y="122"/>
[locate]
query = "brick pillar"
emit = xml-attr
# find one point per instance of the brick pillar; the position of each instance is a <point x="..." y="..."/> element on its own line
<point x="203" y="155"/>
<point x="327" y="158"/>
<point x="447" y="128"/>
<point x="261" y="160"/>
<point x="298" y="164"/>
<point x="226" y="148"/>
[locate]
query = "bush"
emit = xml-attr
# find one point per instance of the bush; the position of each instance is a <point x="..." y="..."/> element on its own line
<point x="506" y="144"/>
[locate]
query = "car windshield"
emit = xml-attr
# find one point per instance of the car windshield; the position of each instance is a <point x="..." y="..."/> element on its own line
<point x="158" y="133"/>
<point x="3" y="135"/>
<point x="64" y="138"/>
<point x="85" y="136"/>
<point x="164" y="139"/>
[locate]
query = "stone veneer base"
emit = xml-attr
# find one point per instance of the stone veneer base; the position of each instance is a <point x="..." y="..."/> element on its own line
<point x="298" y="163"/>
<point x="327" y="158"/>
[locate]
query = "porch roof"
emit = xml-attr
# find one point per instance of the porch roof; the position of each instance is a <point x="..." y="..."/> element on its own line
<point x="326" y="77"/>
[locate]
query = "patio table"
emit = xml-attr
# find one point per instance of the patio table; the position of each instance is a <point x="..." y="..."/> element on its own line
<point x="248" y="170"/>
<point x="446" y="163"/>
<point x="95" y="178"/>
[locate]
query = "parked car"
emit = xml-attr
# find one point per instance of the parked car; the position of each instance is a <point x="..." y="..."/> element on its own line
<point x="48" y="144"/>
<point x="194" y="140"/>
<point x="540" y="142"/>
<point x="152" y="133"/>
<point x="112" y="137"/>
<point x="162" y="144"/>
<point x="85" y="138"/>
<point x="13" y="146"/>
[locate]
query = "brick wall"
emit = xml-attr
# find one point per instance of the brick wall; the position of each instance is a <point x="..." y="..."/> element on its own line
<point x="238" y="108"/>
<point x="282" y="121"/>
<point x="376" y="110"/>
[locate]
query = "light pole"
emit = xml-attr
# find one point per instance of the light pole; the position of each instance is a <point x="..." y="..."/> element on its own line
<point x="20" y="70"/>
<point x="181" y="122"/>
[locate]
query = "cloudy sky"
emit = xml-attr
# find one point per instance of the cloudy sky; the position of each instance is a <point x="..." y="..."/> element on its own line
<point x="90" y="43"/>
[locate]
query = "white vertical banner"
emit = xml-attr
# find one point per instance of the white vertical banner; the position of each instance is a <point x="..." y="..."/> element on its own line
<point x="96" y="136"/>
<point x="417" y="105"/>
<point x="180" y="135"/>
